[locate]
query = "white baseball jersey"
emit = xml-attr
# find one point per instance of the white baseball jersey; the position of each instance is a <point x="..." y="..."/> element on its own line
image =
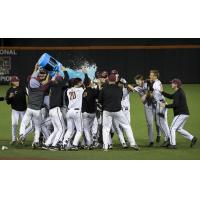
<point x="141" y="90"/>
<point x="126" y="99"/>
<point x="157" y="90"/>
<point x="75" y="97"/>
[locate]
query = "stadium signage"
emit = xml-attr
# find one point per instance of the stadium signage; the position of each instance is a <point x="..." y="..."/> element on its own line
<point x="8" y="52"/>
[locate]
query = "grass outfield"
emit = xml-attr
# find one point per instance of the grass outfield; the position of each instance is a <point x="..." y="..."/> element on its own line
<point x="184" y="152"/>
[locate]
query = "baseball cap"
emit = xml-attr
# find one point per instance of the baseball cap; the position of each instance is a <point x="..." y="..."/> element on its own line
<point x="43" y="71"/>
<point x="14" y="79"/>
<point x="59" y="78"/>
<point x="112" y="78"/>
<point x="114" y="71"/>
<point x="176" y="81"/>
<point x="104" y="74"/>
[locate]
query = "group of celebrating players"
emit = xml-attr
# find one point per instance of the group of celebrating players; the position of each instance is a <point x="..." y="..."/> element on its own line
<point x="84" y="114"/>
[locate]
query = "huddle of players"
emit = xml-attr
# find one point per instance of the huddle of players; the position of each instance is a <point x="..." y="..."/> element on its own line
<point x="72" y="114"/>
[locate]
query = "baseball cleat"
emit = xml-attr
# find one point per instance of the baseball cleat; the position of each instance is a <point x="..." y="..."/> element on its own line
<point x="95" y="145"/>
<point x="171" y="146"/>
<point x="135" y="147"/>
<point x="45" y="147"/>
<point x="21" y="140"/>
<point x="54" y="148"/>
<point x="110" y="146"/>
<point x="150" y="144"/>
<point x="74" y="148"/>
<point x="88" y="147"/>
<point x="193" y="142"/>
<point x="35" y="145"/>
<point x="158" y="139"/>
<point x="105" y="150"/>
<point x="124" y="146"/>
<point x="165" y="143"/>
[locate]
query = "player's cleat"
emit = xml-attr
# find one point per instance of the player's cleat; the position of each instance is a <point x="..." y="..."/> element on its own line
<point x="45" y="147"/>
<point x="193" y="142"/>
<point x="124" y="146"/>
<point x="74" y="148"/>
<point x="35" y="145"/>
<point x="150" y="144"/>
<point x="165" y="143"/>
<point x="105" y="150"/>
<point x="82" y="146"/>
<point x="110" y="146"/>
<point x="21" y="140"/>
<point x="158" y="139"/>
<point x="95" y="145"/>
<point x="135" y="147"/>
<point x="171" y="146"/>
<point x="54" y="148"/>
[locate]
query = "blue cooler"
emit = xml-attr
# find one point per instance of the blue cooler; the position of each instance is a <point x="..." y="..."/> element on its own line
<point x="50" y="64"/>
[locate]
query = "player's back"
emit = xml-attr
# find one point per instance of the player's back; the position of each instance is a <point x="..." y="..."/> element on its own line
<point x="75" y="98"/>
<point x="110" y="98"/>
<point x="157" y="85"/>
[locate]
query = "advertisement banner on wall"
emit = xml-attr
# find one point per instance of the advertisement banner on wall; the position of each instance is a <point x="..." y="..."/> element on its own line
<point x="5" y="65"/>
<point x="5" y="69"/>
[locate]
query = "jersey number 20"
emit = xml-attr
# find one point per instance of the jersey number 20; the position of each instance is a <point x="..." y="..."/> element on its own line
<point x="72" y="95"/>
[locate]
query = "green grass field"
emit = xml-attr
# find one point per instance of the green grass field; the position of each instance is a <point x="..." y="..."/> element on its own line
<point x="183" y="151"/>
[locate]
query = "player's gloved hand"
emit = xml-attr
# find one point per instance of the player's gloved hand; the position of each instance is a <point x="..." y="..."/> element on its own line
<point x="123" y="80"/>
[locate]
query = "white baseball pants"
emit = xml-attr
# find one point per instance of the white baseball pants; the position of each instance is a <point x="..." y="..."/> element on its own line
<point x="119" y="117"/>
<point x="88" y="120"/>
<point x="74" y="120"/>
<point x="127" y="114"/>
<point x="15" y="116"/>
<point x="35" y="116"/>
<point x="177" y="125"/>
<point x="162" y="121"/>
<point x="118" y="128"/>
<point x="58" y="127"/>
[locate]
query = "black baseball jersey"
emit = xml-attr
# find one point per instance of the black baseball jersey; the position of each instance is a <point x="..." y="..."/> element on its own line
<point x="18" y="101"/>
<point x="110" y="98"/>
<point x="89" y="104"/>
<point x="56" y="94"/>
<point x="179" y="104"/>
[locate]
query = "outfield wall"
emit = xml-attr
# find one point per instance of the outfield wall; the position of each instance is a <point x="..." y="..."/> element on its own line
<point x="180" y="62"/>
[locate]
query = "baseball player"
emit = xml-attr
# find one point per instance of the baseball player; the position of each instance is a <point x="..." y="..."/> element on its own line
<point x="103" y="81"/>
<point x="37" y="86"/>
<point x="161" y="113"/>
<point x="16" y="97"/>
<point x="181" y="113"/>
<point x="125" y="103"/>
<point x="56" y="98"/>
<point x="89" y="108"/>
<point x="74" y="114"/>
<point x="110" y="98"/>
<point x="144" y="89"/>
